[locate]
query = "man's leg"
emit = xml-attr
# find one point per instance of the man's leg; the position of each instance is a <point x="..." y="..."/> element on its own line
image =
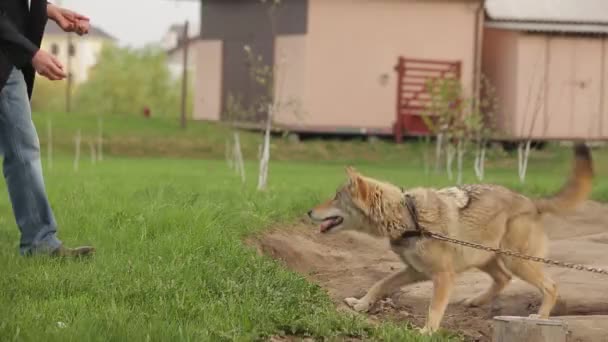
<point x="23" y="171"/>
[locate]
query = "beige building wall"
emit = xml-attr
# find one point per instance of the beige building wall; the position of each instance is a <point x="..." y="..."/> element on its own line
<point x="564" y="76"/>
<point x="499" y="66"/>
<point x="353" y="45"/>
<point x="207" y="69"/>
<point x="559" y="86"/>
<point x="603" y="125"/>
<point x="530" y="106"/>
<point x="341" y="73"/>
<point x="291" y="90"/>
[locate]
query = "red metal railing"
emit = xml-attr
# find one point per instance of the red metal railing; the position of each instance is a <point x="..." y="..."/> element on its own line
<point x="413" y="97"/>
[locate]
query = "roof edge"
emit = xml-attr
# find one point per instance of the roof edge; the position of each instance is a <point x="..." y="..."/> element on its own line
<point x="546" y="26"/>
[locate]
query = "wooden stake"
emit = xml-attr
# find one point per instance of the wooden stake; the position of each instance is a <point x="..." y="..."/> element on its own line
<point x="265" y="160"/>
<point x="229" y="155"/>
<point x="186" y="45"/>
<point x="523" y="154"/>
<point x="240" y="164"/>
<point x="49" y="147"/>
<point x="459" y="156"/>
<point x="100" y="138"/>
<point x="93" y="154"/>
<point x="510" y="328"/>
<point x="77" y="150"/>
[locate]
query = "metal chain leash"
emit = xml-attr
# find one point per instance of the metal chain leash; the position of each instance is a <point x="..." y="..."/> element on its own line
<point x="577" y="267"/>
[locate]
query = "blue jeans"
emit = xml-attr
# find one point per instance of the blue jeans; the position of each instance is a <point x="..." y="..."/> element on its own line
<point x="23" y="170"/>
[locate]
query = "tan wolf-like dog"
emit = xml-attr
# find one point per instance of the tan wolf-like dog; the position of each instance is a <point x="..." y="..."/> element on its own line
<point x="490" y="215"/>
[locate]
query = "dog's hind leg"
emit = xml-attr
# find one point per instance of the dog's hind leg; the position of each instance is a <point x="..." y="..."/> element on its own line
<point x="443" y="283"/>
<point x="525" y="235"/>
<point x="385" y="287"/>
<point x="501" y="278"/>
<point x="533" y="274"/>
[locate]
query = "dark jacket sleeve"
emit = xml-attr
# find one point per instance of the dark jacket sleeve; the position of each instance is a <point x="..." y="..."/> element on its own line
<point x="21" y="49"/>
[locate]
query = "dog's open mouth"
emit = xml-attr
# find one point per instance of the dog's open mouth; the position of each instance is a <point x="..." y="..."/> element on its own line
<point x="330" y="223"/>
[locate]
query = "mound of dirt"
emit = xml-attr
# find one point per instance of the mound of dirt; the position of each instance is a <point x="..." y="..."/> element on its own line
<point x="347" y="264"/>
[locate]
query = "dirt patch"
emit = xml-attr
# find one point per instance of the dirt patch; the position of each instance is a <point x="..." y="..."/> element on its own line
<point x="347" y="264"/>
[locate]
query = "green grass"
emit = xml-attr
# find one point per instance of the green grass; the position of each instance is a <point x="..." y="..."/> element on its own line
<point x="136" y="136"/>
<point x="171" y="263"/>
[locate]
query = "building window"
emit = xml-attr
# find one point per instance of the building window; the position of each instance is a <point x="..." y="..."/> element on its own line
<point x="55" y="49"/>
<point x="72" y="50"/>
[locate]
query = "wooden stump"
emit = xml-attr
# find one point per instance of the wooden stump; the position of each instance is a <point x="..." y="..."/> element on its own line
<point x="511" y="328"/>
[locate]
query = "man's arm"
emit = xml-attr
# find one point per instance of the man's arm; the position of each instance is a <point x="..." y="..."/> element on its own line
<point x="22" y="49"/>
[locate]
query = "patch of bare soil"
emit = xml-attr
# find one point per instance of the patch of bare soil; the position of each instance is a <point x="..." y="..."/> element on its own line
<point x="346" y="264"/>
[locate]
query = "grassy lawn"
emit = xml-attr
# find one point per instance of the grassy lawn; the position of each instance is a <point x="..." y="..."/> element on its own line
<point x="135" y="136"/>
<point x="171" y="264"/>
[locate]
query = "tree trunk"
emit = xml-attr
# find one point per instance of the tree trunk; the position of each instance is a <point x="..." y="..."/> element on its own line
<point x="265" y="160"/>
<point x="229" y="154"/>
<point x="460" y="155"/>
<point x="438" y="152"/>
<point x="482" y="162"/>
<point x="450" y="153"/>
<point x="238" y="157"/>
<point x="480" y="159"/>
<point x="425" y="155"/>
<point x="523" y="154"/>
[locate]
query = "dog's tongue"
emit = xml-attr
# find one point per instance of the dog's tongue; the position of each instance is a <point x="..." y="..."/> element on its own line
<point x="325" y="225"/>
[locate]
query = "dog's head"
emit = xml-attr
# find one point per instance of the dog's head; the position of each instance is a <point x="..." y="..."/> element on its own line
<point x="350" y="208"/>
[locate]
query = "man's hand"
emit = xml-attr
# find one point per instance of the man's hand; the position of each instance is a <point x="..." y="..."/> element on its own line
<point x="69" y="21"/>
<point x="48" y="66"/>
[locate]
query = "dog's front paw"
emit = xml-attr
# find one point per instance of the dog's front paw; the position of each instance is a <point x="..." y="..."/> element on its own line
<point x="358" y="305"/>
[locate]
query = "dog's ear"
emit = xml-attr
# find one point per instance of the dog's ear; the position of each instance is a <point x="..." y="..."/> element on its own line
<point x="353" y="175"/>
<point x="358" y="185"/>
<point x="351" y="172"/>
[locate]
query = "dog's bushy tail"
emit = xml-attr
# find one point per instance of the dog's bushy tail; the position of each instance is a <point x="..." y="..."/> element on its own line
<point x="578" y="187"/>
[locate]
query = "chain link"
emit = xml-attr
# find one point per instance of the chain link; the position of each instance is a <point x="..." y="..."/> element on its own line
<point x="577" y="267"/>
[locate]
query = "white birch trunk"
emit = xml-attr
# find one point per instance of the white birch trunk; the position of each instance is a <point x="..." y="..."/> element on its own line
<point x="265" y="160"/>
<point x="482" y="163"/>
<point x="438" y="148"/>
<point x="480" y="159"/>
<point x="523" y="154"/>
<point x="476" y="162"/>
<point x="450" y="158"/>
<point x="240" y="165"/>
<point x="460" y="155"/>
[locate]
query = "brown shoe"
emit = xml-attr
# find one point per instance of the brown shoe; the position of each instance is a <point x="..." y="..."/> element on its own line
<point x="83" y="251"/>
